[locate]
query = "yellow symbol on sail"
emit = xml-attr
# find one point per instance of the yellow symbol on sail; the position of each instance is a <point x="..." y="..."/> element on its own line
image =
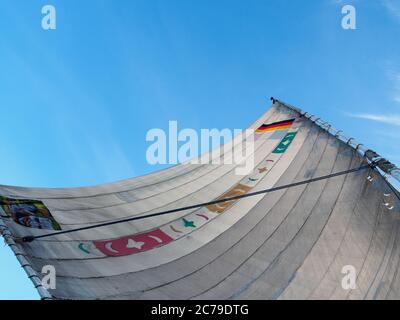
<point x="237" y="190"/>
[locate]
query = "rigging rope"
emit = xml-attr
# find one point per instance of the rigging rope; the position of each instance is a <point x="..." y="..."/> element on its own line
<point x="252" y="194"/>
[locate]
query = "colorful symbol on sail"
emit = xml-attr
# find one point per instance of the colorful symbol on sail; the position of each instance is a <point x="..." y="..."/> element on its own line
<point x="221" y="206"/>
<point x="156" y="238"/>
<point x="83" y="248"/>
<point x="253" y="180"/>
<point x="281" y="125"/>
<point x="203" y="216"/>
<point x="188" y="224"/>
<point x="239" y="189"/>
<point x="109" y="247"/>
<point x="270" y="160"/>
<point x="285" y="142"/>
<point x="133" y="244"/>
<point x="28" y="213"/>
<point x="174" y="229"/>
<point x="262" y="170"/>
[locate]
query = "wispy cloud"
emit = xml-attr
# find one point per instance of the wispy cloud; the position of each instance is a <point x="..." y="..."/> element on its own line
<point x="393" y="7"/>
<point x="393" y="119"/>
<point x="396" y="86"/>
<point x="392" y="72"/>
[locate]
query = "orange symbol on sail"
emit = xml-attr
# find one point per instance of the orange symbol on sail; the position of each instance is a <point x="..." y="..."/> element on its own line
<point x="237" y="190"/>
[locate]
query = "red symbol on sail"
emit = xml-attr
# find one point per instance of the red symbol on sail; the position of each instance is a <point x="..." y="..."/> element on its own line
<point x="133" y="244"/>
<point x="203" y="216"/>
<point x="174" y="229"/>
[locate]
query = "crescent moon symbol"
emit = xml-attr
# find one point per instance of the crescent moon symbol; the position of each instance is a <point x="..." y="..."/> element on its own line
<point x="110" y="248"/>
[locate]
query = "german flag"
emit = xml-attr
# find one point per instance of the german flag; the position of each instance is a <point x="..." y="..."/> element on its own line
<point x="281" y="125"/>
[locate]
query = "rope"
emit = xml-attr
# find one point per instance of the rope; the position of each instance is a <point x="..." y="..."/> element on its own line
<point x="252" y="194"/>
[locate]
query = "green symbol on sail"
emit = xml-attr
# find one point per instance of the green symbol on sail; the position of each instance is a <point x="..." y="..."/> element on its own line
<point x="285" y="142"/>
<point x="188" y="223"/>
<point x="84" y="248"/>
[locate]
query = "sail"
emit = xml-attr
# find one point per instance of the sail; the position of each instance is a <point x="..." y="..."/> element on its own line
<point x="296" y="242"/>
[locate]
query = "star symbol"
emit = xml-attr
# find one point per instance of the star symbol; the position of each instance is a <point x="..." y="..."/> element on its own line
<point x="188" y="223"/>
<point x="134" y="244"/>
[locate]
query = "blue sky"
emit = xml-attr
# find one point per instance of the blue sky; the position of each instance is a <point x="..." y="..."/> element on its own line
<point x="77" y="102"/>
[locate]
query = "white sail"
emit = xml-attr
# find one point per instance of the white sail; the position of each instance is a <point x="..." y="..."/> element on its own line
<point x="293" y="243"/>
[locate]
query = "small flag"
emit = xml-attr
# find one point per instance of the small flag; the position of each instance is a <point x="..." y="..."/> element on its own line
<point x="281" y="125"/>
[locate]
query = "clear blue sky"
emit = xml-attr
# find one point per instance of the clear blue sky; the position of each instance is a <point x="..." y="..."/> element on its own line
<point x="76" y="102"/>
